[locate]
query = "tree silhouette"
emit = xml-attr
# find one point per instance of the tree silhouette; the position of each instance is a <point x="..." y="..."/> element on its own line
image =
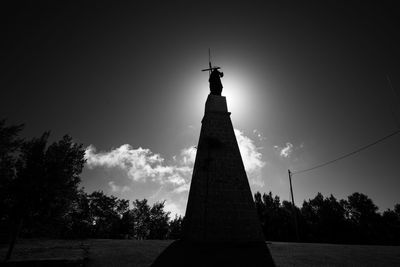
<point x="158" y="225"/>
<point x="57" y="187"/>
<point x="45" y="185"/>
<point x="362" y="213"/>
<point x="276" y="218"/>
<point x="10" y="145"/>
<point x="25" y="187"/>
<point x="78" y="222"/>
<point x="175" y="228"/>
<point x="326" y="219"/>
<point x="106" y="213"/>
<point x="141" y="218"/>
<point x="390" y="227"/>
<point x="150" y="222"/>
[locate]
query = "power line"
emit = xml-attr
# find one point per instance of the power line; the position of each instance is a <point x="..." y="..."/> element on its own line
<point x="348" y="154"/>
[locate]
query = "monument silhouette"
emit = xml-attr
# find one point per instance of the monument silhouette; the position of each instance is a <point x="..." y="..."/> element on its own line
<point x="221" y="227"/>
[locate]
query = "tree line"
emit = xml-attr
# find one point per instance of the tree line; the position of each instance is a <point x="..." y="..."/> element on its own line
<point x="97" y="215"/>
<point x="40" y="197"/>
<point x="355" y="220"/>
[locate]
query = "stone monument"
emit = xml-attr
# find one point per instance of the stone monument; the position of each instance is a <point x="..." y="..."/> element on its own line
<point x="221" y="227"/>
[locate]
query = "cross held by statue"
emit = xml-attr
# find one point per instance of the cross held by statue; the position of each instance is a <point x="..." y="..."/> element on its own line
<point x="214" y="78"/>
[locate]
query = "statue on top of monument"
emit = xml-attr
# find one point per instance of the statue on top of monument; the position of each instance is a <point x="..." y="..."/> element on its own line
<point x="215" y="82"/>
<point x="215" y="78"/>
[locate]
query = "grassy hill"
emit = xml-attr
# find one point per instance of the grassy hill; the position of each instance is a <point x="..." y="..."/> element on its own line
<point x="141" y="253"/>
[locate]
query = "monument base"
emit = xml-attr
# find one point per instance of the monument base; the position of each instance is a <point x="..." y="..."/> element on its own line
<point x="185" y="253"/>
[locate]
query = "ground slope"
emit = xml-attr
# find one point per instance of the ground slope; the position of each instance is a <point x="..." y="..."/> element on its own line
<point x="106" y="252"/>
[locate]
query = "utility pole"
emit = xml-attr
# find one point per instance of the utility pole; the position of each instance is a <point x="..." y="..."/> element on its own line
<point x="293" y="207"/>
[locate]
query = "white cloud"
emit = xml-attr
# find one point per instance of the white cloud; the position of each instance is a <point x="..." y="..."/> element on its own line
<point x="252" y="158"/>
<point x="173" y="209"/>
<point x="285" y="151"/>
<point x="290" y="151"/>
<point x="142" y="166"/>
<point x="182" y="188"/>
<point x="188" y="155"/>
<point x="259" y="135"/>
<point x="118" y="189"/>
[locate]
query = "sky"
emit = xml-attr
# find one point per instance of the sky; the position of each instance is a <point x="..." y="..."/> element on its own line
<point x="306" y="83"/>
